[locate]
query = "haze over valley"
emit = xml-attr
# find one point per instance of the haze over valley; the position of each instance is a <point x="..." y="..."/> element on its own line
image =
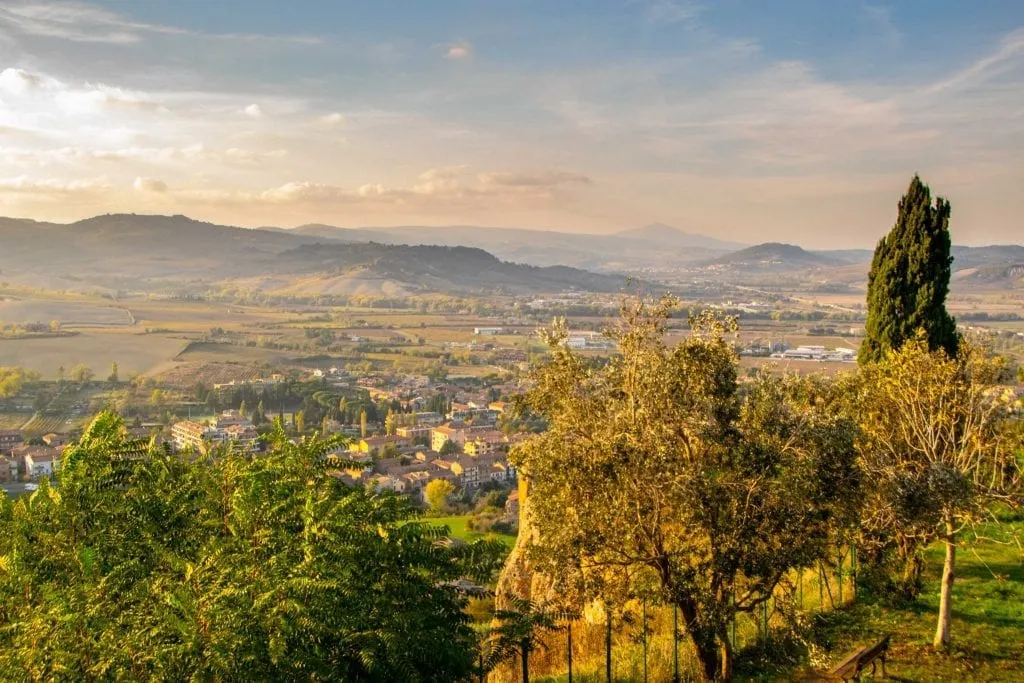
<point x="489" y="342"/>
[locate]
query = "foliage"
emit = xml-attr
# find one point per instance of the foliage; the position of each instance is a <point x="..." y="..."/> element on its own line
<point x="81" y="374"/>
<point x="656" y="476"/>
<point x="436" y="494"/>
<point x="145" y="565"/>
<point x="11" y="381"/>
<point x="909" y="279"/>
<point x="938" y="449"/>
<point x="520" y="630"/>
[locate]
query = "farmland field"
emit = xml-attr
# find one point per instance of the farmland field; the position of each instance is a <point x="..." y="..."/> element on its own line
<point x="185" y="374"/>
<point x="68" y="313"/>
<point x="133" y="352"/>
<point x="210" y="352"/>
<point x="13" y="420"/>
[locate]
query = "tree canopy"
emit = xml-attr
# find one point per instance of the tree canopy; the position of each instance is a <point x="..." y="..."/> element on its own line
<point x="909" y="279"/>
<point x="658" y="476"/>
<point x="940" y="453"/>
<point x="141" y="564"/>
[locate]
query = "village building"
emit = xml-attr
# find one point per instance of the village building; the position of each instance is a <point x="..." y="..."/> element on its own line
<point x="38" y="461"/>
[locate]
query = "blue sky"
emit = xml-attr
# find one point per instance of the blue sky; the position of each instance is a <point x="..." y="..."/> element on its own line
<point x="789" y="120"/>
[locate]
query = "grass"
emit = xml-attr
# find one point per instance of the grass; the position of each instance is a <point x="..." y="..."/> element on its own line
<point x="987" y="627"/>
<point x="457" y="525"/>
<point x="987" y="631"/>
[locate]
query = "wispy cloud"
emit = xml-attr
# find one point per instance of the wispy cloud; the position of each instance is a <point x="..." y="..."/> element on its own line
<point x="80" y="22"/>
<point x="668" y="12"/>
<point x="149" y="185"/>
<point x="1002" y="58"/>
<point x="460" y="50"/>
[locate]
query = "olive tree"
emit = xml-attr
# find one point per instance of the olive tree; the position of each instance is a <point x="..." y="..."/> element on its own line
<point x="938" y="450"/>
<point x="658" y="472"/>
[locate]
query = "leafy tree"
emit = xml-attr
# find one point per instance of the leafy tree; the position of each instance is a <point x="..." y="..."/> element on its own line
<point x="81" y="374"/>
<point x="300" y="422"/>
<point x="520" y="630"/>
<point x="11" y="381"/>
<point x="437" y="492"/>
<point x="657" y="476"/>
<point x="449" y="448"/>
<point x="909" y="279"/>
<point x="243" y="409"/>
<point x="112" y="377"/>
<point x="362" y="423"/>
<point x="938" y="452"/>
<point x="390" y="423"/>
<point x="226" y="568"/>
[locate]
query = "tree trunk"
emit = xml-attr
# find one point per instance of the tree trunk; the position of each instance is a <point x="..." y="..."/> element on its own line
<point x="526" y="662"/>
<point x="707" y="653"/>
<point x="703" y="639"/>
<point x="913" y="568"/>
<point x="725" y="653"/>
<point x="946" y="596"/>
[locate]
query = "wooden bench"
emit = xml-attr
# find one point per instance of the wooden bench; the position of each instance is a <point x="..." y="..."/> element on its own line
<point x="855" y="663"/>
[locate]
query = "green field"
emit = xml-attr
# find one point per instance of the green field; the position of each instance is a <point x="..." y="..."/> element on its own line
<point x="988" y="619"/>
<point x="457" y="526"/>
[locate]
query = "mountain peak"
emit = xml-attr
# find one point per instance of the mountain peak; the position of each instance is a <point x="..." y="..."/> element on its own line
<point x="676" y="238"/>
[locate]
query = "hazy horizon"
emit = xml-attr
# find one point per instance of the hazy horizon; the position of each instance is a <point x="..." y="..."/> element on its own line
<point x="794" y="123"/>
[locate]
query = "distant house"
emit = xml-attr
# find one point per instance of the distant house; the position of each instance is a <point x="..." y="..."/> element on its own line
<point x="485" y="442"/>
<point x="9" y="438"/>
<point x="512" y="508"/>
<point x="229" y="426"/>
<point x="377" y="444"/>
<point x="439" y="436"/>
<point x="429" y="418"/>
<point x="8" y="468"/>
<point x="415" y="432"/>
<point x="56" y="440"/>
<point x="38" y="461"/>
<point x="486" y="331"/>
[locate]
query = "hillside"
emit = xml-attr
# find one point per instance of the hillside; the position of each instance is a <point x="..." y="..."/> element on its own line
<point x="151" y="253"/>
<point x="667" y="236"/>
<point x="773" y="256"/>
<point x="654" y="246"/>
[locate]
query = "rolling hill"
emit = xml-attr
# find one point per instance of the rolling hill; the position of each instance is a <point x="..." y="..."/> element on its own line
<point x="127" y="251"/>
<point x="773" y="256"/>
<point x="650" y="247"/>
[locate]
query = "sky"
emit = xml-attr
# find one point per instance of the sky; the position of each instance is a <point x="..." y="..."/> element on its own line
<point x="793" y="120"/>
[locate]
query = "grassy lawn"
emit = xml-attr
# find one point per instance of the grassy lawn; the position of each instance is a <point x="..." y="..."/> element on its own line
<point x="457" y="525"/>
<point x="987" y="628"/>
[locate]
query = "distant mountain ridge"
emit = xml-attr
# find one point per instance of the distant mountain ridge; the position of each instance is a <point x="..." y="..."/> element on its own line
<point x="655" y="245"/>
<point x="144" y="251"/>
<point x="128" y="251"/>
<point x="669" y="236"/>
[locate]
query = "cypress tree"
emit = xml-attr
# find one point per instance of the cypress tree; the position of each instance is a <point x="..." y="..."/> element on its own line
<point x="909" y="279"/>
